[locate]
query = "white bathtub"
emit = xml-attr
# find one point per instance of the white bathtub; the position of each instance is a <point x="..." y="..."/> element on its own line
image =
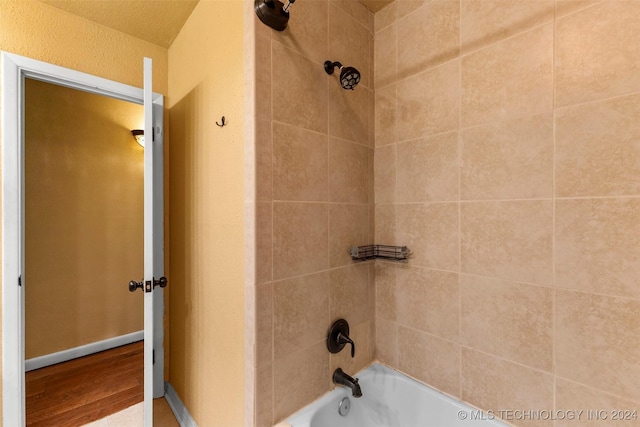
<point x="390" y="399"/>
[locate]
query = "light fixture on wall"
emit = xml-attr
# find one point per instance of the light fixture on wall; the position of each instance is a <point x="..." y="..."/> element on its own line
<point x="138" y="134"/>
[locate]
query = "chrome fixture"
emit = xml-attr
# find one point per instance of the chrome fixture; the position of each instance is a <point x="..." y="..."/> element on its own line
<point x="344" y="407"/>
<point x="349" y="76"/>
<point x="341" y="378"/>
<point x="338" y="337"/>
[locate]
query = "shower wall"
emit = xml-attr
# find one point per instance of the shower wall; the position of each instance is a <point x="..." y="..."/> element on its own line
<point x="314" y="199"/>
<point x="507" y="157"/>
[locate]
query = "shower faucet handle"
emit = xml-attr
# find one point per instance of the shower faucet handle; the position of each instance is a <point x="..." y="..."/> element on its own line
<point x="338" y="337"/>
<point x="346" y="340"/>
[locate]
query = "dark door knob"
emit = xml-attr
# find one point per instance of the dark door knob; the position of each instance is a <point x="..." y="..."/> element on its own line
<point x="162" y="282"/>
<point x="133" y="285"/>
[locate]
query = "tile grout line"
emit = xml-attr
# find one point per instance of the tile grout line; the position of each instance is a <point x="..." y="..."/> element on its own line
<point x="553" y="214"/>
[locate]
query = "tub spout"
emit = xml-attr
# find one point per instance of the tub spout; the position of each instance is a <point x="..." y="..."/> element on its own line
<point x="341" y="378"/>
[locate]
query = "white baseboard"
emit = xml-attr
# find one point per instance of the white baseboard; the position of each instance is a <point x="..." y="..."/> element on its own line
<point x="179" y="410"/>
<point x="83" y="350"/>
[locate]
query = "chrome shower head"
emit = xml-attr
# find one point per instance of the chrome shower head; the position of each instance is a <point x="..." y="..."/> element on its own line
<point x="349" y="76"/>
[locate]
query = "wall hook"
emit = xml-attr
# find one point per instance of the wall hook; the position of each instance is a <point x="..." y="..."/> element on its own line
<point x="223" y="122"/>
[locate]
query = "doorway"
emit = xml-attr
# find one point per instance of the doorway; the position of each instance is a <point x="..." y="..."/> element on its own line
<point x="15" y="69"/>
<point x="84" y="229"/>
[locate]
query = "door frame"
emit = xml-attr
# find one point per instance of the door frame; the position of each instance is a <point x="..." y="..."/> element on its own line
<point x="15" y="69"/>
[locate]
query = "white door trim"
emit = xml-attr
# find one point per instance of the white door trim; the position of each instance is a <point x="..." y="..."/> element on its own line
<point x="14" y="70"/>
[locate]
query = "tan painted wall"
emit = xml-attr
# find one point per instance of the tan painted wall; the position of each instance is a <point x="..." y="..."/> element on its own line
<point x="33" y="29"/>
<point x="206" y="82"/>
<point x="83" y="210"/>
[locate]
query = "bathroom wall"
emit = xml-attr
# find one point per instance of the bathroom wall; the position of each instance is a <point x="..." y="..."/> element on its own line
<point x="33" y="29"/>
<point x="314" y="199"/>
<point x="206" y="209"/>
<point x="507" y="158"/>
<point x="84" y="179"/>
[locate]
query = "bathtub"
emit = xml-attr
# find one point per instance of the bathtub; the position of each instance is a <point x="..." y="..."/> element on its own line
<point x="390" y="399"/>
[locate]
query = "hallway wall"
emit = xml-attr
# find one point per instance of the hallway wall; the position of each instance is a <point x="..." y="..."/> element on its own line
<point x="84" y="178"/>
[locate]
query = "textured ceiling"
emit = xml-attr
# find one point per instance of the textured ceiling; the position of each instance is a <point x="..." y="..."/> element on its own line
<point x="375" y="5"/>
<point x="156" y="21"/>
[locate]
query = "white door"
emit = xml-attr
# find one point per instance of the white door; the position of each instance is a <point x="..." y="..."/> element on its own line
<point x="15" y="69"/>
<point x="153" y="245"/>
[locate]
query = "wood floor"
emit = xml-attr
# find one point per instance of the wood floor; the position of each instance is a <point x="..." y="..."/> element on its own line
<point x="86" y="389"/>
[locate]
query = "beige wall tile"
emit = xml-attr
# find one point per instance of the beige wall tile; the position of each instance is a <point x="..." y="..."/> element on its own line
<point x="597" y="52"/>
<point x="349" y="44"/>
<point x="264" y="160"/>
<point x="509" y="79"/>
<point x="385" y="56"/>
<point x="264" y="324"/>
<point x="429" y="359"/>
<point x="510" y="320"/>
<point x="508" y="160"/>
<point x="349" y="113"/>
<point x="299" y="90"/>
<point x="596" y="342"/>
<point x="498" y="385"/>
<point x="300" y="164"/>
<point x="431" y="233"/>
<point x="299" y="379"/>
<point x="597" y="149"/>
<point x="405" y="7"/>
<point x="508" y="240"/>
<point x="263" y="76"/>
<point x="420" y="115"/>
<point x="428" y="300"/>
<point x="261" y="30"/>
<point x="385" y="16"/>
<point x="573" y="396"/>
<point x="486" y="22"/>
<point x="428" y="37"/>
<point x="427" y="169"/>
<point x="371" y="180"/>
<point x="348" y="226"/>
<point x="264" y="242"/>
<point x="307" y="30"/>
<point x="565" y="7"/>
<point x="372" y="304"/>
<point x="355" y="9"/>
<point x="386" y="295"/>
<point x="385" y="174"/>
<point x="297" y="324"/>
<point x="300" y="239"/>
<point x="385" y="116"/>
<point x="597" y="246"/>
<point x="386" y="342"/>
<point x="385" y="225"/>
<point x="264" y="396"/>
<point x="348" y="172"/>
<point x="350" y="294"/>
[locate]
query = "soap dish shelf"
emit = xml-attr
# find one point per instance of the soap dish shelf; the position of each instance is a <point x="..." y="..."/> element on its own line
<point x="386" y="252"/>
